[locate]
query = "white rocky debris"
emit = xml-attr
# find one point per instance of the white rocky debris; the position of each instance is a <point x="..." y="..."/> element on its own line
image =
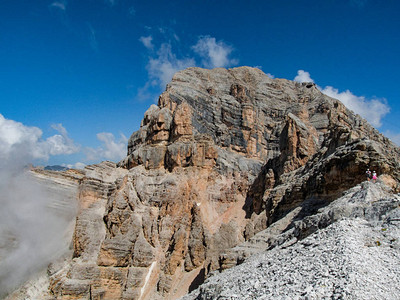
<point x="153" y="264"/>
<point x="260" y="155"/>
<point x="353" y="258"/>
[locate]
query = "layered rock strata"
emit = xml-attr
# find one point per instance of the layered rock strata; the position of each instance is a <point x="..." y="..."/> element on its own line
<point x="224" y="154"/>
<point x="347" y="250"/>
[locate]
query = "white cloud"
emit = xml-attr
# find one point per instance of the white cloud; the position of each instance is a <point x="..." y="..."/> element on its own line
<point x="110" y="149"/>
<point x="59" y="4"/>
<point x="373" y="110"/>
<point x="78" y="165"/>
<point x="23" y="143"/>
<point x="14" y="134"/>
<point x="147" y="42"/>
<point x="303" y="76"/>
<point x="166" y="64"/>
<point x="270" y="75"/>
<point x="394" y="137"/>
<point x="214" y="54"/>
<point x="34" y="221"/>
<point x="27" y="215"/>
<point x="162" y="66"/>
<point x="60" y="143"/>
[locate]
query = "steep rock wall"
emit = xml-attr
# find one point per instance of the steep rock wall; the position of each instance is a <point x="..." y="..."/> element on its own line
<point x="223" y="155"/>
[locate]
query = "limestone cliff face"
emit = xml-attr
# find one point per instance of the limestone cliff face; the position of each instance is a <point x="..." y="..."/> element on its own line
<point x="223" y="155"/>
<point x="349" y="249"/>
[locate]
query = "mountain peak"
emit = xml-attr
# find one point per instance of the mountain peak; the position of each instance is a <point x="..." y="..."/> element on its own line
<point x="226" y="154"/>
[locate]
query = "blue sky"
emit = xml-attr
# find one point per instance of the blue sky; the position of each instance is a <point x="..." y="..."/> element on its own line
<point x="76" y="76"/>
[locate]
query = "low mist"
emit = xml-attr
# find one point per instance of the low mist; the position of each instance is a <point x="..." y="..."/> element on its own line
<point x="32" y="230"/>
<point x="34" y="218"/>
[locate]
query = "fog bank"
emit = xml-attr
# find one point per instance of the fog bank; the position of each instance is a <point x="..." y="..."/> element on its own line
<point x="34" y="217"/>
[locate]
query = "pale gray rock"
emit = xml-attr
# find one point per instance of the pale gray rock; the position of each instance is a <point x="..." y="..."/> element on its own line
<point x="348" y="250"/>
<point x="224" y="155"/>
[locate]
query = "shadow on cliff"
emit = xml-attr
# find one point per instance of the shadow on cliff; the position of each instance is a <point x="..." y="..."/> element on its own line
<point x="314" y="185"/>
<point x="199" y="280"/>
<point x="253" y="202"/>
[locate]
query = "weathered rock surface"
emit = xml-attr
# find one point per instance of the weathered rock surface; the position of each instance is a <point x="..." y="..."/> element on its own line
<point x="224" y="155"/>
<point x="348" y="250"/>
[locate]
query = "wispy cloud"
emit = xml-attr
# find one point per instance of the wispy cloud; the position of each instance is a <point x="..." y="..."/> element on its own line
<point x="394" y="137"/>
<point x="162" y="67"/>
<point x="146" y="92"/>
<point x="214" y="54"/>
<point x="110" y="148"/>
<point x="59" y="5"/>
<point x="92" y="38"/>
<point x="147" y="41"/>
<point x="373" y="110"/>
<point x="164" y="63"/>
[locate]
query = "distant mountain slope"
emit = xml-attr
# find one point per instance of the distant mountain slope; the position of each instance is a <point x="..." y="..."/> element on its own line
<point x="55" y="168"/>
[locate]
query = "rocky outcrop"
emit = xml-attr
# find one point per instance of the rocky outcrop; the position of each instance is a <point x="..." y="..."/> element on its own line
<point x="358" y="202"/>
<point x="224" y="155"/>
<point x="347" y="250"/>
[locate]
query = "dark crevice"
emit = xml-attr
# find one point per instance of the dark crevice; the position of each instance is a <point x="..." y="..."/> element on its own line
<point x="200" y="278"/>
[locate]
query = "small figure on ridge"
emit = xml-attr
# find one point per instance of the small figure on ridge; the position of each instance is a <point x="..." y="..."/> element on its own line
<point x="374" y="177"/>
<point x="368" y="174"/>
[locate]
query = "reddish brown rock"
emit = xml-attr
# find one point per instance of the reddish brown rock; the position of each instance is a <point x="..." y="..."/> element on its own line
<point x="224" y="154"/>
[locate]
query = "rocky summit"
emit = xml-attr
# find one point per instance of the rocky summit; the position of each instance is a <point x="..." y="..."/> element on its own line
<point x="230" y="163"/>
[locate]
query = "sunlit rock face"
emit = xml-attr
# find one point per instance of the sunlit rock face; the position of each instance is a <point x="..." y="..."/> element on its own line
<point x="348" y="249"/>
<point x="223" y="155"/>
